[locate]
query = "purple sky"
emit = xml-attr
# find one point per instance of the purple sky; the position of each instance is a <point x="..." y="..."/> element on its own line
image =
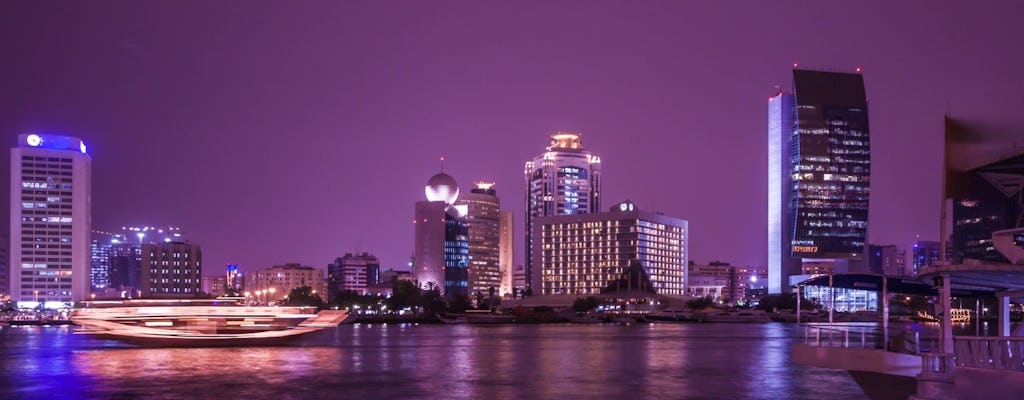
<point x="279" y="132"/>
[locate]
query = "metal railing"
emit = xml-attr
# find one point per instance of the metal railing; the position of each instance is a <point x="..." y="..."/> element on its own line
<point x="866" y="336"/>
<point x="991" y="352"/>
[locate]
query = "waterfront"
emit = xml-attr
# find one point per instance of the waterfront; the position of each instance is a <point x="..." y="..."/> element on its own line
<point x="670" y="361"/>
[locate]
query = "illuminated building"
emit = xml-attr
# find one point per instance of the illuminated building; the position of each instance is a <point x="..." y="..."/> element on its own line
<point x="354" y="272"/>
<point x="482" y="218"/>
<point x="887" y="260"/>
<point x="818" y="176"/>
<point x="506" y="225"/>
<point x="274" y="283"/>
<point x="725" y="282"/>
<point x="51" y="216"/>
<point x="585" y="253"/>
<point x="116" y="262"/>
<point x="5" y="282"/>
<point x="989" y="198"/>
<point x="171" y="270"/>
<point x="234" y="279"/>
<point x="441" y="248"/>
<point x="564" y="180"/>
<point x="215" y="286"/>
<point x="924" y="254"/>
<point x="99" y="260"/>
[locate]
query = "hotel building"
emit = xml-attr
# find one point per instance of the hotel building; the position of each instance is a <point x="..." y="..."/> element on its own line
<point x="819" y="171"/>
<point x="585" y="253"/>
<point x="563" y="180"/>
<point x="51" y="216"/>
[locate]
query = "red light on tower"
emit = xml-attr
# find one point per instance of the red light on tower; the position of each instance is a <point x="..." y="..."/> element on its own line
<point x="858" y="69"/>
<point x="794" y="65"/>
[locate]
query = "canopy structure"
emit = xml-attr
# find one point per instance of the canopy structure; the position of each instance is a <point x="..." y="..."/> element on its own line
<point x="893" y="284"/>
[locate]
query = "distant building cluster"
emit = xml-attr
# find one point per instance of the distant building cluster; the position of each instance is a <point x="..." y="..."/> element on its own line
<point x="819" y="185"/>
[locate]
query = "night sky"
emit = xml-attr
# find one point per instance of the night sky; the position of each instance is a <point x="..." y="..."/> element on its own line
<point x="280" y="132"/>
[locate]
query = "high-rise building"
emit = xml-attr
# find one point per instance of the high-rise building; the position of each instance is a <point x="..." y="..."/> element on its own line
<point x="116" y="261"/>
<point x="505" y="250"/>
<point x="171" y="270"/>
<point x="51" y="216"/>
<point x="564" y="180"/>
<point x="925" y="252"/>
<point x="991" y="198"/>
<point x="483" y="219"/>
<point x="99" y="260"/>
<point x="234" y="279"/>
<point x="354" y="272"/>
<point x="441" y="254"/>
<point x="275" y="283"/>
<point x="585" y="253"/>
<point x="5" y="269"/>
<point x="887" y="260"/>
<point x="819" y="171"/>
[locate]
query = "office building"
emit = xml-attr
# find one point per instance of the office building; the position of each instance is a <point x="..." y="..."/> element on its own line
<point x="215" y="285"/>
<point x="441" y="243"/>
<point x="51" y="216"/>
<point x="116" y="259"/>
<point x="585" y="253"/>
<point x="171" y="270"/>
<point x="989" y="199"/>
<point x="483" y="219"/>
<point x="888" y="260"/>
<point x="725" y="282"/>
<point x="506" y="247"/>
<point x="819" y="171"/>
<point x="352" y="272"/>
<point x="234" y="280"/>
<point x="564" y="180"/>
<point x="275" y="283"/>
<point x="5" y="269"/>
<point x="925" y="253"/>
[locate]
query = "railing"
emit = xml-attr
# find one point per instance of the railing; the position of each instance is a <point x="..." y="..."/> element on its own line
<point x="991" y="352"/>
<point x="866" y="336"/>
<point x="938" y="364"/>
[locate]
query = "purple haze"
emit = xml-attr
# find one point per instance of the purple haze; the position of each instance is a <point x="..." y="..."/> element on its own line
<point x="277" y="131"/>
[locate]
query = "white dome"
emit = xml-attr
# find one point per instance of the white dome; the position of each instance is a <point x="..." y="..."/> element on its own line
<point x="442" y="187"/>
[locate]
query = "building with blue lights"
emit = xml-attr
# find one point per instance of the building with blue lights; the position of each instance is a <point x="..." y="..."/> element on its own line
<point x="564" y="180"/>
<point x="483" y="217"/>
<point x="441" y="239"/>
<point x="51" y="217"/>
<point x="819" y="171"/>
<point x="925" y="253"/>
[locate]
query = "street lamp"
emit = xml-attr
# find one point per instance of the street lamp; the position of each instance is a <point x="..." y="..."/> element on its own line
<point x="36" y="292"/>
<point x="272" y="290"/>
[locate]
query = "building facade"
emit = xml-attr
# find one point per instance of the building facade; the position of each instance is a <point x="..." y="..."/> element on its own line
<point x="925" y="253"/>
<point x="5" y="268"/>
<point x="725" y="282"/>
<point x="990" y="198"/>
<point x="506" y="248"/>
<point x="441" y="242"/>
<point x="564" y="180"/>
<point x="819" y="171"/>
<point x="274" y="283"/>
<point x="51" y="217"/>
<point x="171" y="270"/>
<point x="234" y="279"/>
<point x="215" y="285"/>
<point x="585" y="253"/>
<point x="483" y="222"/>
<point x="887" y="260"/>
<point x="353" y="272"/>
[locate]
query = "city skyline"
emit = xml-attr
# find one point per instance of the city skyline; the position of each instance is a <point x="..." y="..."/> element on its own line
<point x="264" y="156"/>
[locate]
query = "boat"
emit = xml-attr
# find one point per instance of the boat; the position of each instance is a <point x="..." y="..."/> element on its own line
<point x="198" y="322"/>
<point x="486" y="317"/>
<point x="452" y="319"/>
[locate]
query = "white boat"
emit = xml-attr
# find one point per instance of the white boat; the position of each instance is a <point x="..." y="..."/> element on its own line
<point x="198" y="323"/>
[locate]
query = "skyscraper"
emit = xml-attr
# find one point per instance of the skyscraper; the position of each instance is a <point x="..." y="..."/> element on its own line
<point x="505" y="250"/>
<point x="819" y="171"/>
<point x="5" y="269"/>
<point x="51" y="216"/>
<point x="483" y="221"/>
<point x="564" y="180"/>
<point x="441" y="248"/>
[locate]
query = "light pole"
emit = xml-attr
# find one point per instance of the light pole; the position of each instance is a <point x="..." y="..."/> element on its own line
<point x="36" y="292"/>
<point x="246" y="297"/>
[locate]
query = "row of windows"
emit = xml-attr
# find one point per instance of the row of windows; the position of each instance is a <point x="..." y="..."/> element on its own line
<point x="50" y="159"/>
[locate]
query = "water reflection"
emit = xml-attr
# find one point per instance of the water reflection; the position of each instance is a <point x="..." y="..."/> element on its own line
<point x="434" y="361"/>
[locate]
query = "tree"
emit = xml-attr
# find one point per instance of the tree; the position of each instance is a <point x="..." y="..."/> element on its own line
<point x="699" y="303"/>
<point x="303" y="297"/>
<point x="432" y="302"/>
<point x="585" y="304"/>
<point x="404" y="294"/>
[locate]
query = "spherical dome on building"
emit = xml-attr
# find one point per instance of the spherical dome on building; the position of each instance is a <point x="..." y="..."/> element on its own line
<point x="442" y="187"/>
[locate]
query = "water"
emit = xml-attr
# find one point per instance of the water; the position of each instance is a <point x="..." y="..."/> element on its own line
<point x="656" y="361"/>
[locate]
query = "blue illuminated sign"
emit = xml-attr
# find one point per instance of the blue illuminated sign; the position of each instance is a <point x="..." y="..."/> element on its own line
<point x="54" y="142"/>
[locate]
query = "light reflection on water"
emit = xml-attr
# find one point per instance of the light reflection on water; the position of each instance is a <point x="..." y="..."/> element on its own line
<point x="437" y="361"/>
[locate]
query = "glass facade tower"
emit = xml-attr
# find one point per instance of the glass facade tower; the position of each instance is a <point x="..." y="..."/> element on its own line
<point x="819" y="174"/>
<point x="564" y="180"/>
